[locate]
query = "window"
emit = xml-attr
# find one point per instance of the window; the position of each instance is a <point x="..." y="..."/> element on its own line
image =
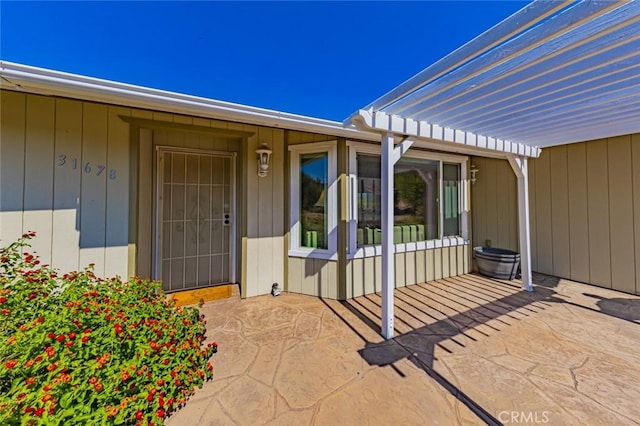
<point x="451" y="197"/>
<point x="369" y="200"/>
<point x="415" y="197"/>
<point x="427" y="198"/>
<point x="313" y="200"/>
<point x="314" y="181"/>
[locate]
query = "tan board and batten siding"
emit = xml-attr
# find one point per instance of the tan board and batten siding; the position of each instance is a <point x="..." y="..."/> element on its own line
<point x="364" y="275"/>
<point x="584" y="206"/>
<point x="494" y="206"/>
<point x="82" y="216"/>
<point x="319" y="277"/>
<point x="58" y="197"/>
<point x="82" y="174"/>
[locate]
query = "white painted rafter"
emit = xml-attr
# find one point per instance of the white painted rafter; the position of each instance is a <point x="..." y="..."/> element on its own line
<point x="525" y="62"/>
<point x="379" y="121"/>
<point x="589" y="75"/>
<point x="542" y="77"/>
<point x="527" y="17"/>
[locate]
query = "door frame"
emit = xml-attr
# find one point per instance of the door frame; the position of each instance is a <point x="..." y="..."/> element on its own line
<point x="157" y="251"/>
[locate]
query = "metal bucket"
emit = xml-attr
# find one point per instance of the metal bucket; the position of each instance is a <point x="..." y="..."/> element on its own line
<point x="496" y="262"/>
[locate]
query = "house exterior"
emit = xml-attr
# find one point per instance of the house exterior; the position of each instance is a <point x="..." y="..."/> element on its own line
<point x="584" y="209"/>
<point x="158" y="189"/>
<point x="484" y="147"/>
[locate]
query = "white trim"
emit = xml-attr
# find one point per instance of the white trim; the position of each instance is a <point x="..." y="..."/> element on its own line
<point x="376" y="250"/>
<point x="465" y="202"/>
<point x="401" y="149"/>
<point x="368" y="148"/>
<point x="440" y="199"/>
<point x="295" y="250"/>
<point x="521" y="169"/>
<point x="356" y="252"/>
<point x="386" y="222"/>
<point x="301" y="253"/>
<point x="30" y="79"/>
<point x="369" y="120"/>
<point x="233" y="200"/>
<point x="353" y="199"/>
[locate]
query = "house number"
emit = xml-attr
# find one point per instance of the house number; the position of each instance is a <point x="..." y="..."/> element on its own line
<point x="87" y="167"/>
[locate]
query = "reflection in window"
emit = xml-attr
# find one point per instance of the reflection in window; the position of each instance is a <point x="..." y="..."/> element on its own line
<point x="313" y="199"/>
<point x="416" y="200"/>
<point x="416" y="210"/>
<point x="451" y="198"/>
<point x="369" y="201"/>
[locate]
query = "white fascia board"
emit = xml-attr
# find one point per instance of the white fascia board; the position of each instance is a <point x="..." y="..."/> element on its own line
<point x="49" y="82"/>
<point x="473" y="144"/>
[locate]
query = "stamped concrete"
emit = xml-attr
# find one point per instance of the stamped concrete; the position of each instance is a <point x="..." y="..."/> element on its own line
<point x="469" y="350"/>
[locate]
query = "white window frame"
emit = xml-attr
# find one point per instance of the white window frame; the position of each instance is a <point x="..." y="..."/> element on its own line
<point x="356" y="148"/>
<point x="295" y="249"/>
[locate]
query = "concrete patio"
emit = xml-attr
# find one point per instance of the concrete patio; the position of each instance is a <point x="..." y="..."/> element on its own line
<point x="470" y="350"/>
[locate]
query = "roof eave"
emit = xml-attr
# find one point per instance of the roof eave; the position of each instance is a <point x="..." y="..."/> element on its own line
<point x="48" y="82"/>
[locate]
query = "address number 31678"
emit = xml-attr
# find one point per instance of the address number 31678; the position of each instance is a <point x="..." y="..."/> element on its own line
<point x="87" y="167"/>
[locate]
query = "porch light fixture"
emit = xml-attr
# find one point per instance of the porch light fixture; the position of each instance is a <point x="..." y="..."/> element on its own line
<point x="264" y="154"/>
<point x="473" y="171"/>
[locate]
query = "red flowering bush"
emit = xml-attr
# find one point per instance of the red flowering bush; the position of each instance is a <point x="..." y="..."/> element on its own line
<point x="79" y="349"/>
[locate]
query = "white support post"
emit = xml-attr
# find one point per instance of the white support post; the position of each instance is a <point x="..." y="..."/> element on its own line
<point x="520" y="168"/>
<point x="388" y="271"/>
<point x="390" y="155"/>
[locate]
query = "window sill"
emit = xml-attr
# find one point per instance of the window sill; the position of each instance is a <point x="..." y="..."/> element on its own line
<point x="376" y="250"/>
<point x="313" y="254"/>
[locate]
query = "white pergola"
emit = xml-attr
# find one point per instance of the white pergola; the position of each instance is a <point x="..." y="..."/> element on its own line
<point x="553" y="73"/>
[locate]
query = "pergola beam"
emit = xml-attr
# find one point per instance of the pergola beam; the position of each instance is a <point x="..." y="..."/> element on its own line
<point x="384" y="123"/>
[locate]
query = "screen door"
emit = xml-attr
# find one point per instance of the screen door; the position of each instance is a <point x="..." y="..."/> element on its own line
<point x="196" y="219"/>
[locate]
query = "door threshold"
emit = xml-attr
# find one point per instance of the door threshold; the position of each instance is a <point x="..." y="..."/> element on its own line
<point x="202" y="295"/>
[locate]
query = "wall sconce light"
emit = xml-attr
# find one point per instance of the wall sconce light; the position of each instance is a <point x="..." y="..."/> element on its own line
<point x="473" y="171"/>
<point x="264" y="154"/>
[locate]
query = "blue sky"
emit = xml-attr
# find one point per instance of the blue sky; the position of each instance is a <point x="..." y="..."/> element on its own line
<point x="323" y="59"/>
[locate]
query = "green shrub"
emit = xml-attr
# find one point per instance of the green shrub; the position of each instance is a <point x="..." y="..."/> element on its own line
<point x="78" y="349"/>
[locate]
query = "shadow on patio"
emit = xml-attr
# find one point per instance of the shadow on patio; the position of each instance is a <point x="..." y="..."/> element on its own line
<point x="468" y="350"/>
<point x="436" y="314"/>
<point x="447" y="314"/>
